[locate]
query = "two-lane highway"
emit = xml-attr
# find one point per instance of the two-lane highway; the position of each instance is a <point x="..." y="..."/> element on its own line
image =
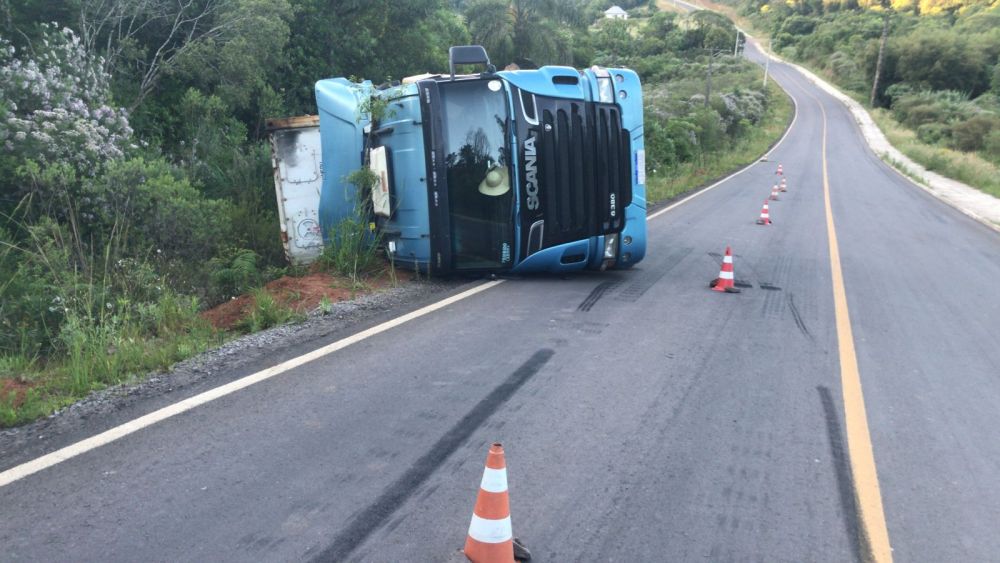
<point x="645" y="417"/>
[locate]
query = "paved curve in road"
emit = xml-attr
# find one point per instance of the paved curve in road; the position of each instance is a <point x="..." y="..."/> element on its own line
<point x="645" y="417"/>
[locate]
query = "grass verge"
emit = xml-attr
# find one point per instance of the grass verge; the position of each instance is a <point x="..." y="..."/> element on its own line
<point x="95" y="356"/>
<point x="122" y="345"/>
<point x="690" y="175"/>
<point x="968" y="168"/>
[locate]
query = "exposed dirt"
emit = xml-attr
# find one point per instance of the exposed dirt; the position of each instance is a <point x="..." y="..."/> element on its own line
<point x="13" y="392"/>
<point x="301" y="294"/>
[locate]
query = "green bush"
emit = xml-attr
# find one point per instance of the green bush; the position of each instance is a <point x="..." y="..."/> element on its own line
<point x="991" y="146"/>
<point x="234" y="273"/>
<point x="942" y="106"/>
<point x="158" y="210"/>
<point x="934" y="133"/>
<point x="799" y="25"/>
<point x="266" y="312"/>
<point x="970" y="135"/>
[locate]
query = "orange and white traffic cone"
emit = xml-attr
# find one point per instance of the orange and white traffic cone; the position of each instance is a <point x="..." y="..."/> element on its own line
<point x="784" y="185"/>
<point x="491" y="538"/>
<point x="725" y="280"/>
<point x="765" y="215"/>
<point x="774" y="192"/>
<point x="780" y="171"/>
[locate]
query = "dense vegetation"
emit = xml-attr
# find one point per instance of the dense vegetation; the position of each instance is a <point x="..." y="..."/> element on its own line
<point x="940" y="75"/>
<point x="135" y="182"/>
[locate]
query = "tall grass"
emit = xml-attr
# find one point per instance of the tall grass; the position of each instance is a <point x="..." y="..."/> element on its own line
<point x="353" y="245"/>
<point x="968" y="168"/>
<point x="76" y="319"/>
<point x="266" y="312"/>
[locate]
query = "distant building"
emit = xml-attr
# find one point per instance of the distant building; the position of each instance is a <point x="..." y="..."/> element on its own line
<point x="616" y="13"/>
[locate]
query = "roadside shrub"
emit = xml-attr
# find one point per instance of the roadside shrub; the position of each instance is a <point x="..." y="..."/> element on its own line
<point x="661" y="153"/>
<point x="934" y="133"/>
<point x="798" y="25"/>
<point x="845" y="71"/>
<point x="710" y="130"/>
<point x="55" y="105"/>
<point x="351" y="248"/>
<point x="896" y="92"/>
<point x="266" y="312"/>
<point x="740" y="109"/>
<point x="970" y="134"/>
<point x="940" y="59"/>
<point x="158" y="210"/>
<point x="991" y="146"/>
<point x="943" y="106"/>
<point x="234" y="274"/>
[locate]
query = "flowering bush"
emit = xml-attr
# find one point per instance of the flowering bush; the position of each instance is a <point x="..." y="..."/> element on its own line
<point x="55" y="104"/>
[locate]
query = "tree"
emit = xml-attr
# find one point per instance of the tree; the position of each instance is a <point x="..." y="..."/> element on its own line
<point x="881" y="56"/>
<point x="141" y="40"/>
<point x="941" y="60"/>
<point x="525" y="30"/>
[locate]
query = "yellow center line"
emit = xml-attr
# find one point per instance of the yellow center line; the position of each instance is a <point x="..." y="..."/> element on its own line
<point x="871" y="516"/>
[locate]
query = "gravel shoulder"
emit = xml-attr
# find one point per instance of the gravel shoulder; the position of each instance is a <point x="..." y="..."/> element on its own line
<point x="239" y="357"/>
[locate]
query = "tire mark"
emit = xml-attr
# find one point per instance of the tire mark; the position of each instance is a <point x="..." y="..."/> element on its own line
<point x="595" y="295"/>
<point x="798" y="317"/>
<point x="648" y="278"/>
<point x="382" y="509"/>
<point x="845" y="483"/>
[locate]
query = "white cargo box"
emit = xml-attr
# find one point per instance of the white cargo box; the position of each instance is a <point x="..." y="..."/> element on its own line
<point x="296" y="157"/>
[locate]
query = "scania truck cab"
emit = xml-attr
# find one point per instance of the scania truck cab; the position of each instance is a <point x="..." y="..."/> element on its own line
<point x="513" y="171"/>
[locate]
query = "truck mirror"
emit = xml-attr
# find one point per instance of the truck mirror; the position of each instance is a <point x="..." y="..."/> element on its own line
<point x="468" y="55"/>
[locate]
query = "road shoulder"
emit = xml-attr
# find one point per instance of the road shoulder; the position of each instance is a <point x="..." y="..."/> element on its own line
<point x="978" y="205"/>
<point x="113" y="406"/>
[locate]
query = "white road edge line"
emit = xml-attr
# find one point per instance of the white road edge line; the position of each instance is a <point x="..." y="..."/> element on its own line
<point x="795" y="116"/>
<point x="48" y="460"/>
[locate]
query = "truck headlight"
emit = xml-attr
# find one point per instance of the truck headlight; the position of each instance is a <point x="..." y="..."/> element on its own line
<point x="610" y="246"/>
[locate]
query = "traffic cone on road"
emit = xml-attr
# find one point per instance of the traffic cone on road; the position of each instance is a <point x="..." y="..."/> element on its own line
<point x="725" y="280"/>
<point x="780" y="171"/>
<point x="765" y="215"/>
<point x="491" y="539"/>
<point x="784" y="185"/>
<point x="774" y="192"/>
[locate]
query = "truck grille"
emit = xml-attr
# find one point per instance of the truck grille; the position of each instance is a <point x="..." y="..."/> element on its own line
<point x="584" y="169"/>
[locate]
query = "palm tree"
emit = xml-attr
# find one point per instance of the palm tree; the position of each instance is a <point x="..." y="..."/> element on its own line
<point x="524" y="30"/>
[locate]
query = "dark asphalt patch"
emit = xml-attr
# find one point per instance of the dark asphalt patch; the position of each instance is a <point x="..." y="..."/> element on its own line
<point x="382" y="509"/>
<point x="845" y="483"/>
<point x="769" y="287"/>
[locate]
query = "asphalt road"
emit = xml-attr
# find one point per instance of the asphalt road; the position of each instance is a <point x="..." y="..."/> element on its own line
<point x="645" y="417"/>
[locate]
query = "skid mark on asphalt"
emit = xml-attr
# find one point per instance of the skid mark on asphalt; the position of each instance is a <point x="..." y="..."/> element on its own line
<point x="645" y="279"/>
<point x="375" y="515"/>
<point x="845" y="484"/>
<point x="798" y="318"/>
<point x="596" y="295"/>
<point x="774" y="301"/>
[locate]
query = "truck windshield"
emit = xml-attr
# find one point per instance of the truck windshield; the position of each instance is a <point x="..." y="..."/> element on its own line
<point x="480" y="184"/>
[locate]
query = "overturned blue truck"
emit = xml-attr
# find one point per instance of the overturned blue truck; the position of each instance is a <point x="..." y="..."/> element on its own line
<point x="511" y="171"/>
